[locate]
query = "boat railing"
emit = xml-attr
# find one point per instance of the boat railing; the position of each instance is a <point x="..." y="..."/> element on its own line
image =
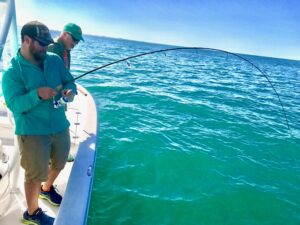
<point x="9" y="25"/>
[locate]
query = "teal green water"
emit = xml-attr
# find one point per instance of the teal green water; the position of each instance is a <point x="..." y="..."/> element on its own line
<point x="192" y="137"/>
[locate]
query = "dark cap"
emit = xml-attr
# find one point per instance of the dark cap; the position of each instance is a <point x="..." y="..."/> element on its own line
<point x="37" y="31"/>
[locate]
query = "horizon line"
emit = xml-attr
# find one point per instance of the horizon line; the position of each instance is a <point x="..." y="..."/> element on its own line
<point x="172" y="45"/>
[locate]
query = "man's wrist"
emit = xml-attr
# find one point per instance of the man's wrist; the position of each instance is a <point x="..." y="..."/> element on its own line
<point x="38" y="95"/>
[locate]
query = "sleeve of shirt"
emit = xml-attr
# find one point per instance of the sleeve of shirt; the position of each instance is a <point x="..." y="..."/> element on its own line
<point x="54" y="48"/>
<point x="17" y="99"/>
<point x="68" y="79"/>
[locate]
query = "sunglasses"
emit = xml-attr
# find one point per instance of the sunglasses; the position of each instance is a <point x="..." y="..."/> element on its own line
<point x="42" y="44"/>
<point x="73" y="38"/>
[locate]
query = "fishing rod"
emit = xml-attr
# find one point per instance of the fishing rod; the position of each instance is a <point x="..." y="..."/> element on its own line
<point x="191" y="48"/>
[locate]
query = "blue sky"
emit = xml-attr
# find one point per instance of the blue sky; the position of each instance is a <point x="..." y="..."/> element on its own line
<point x="259" y="27"/>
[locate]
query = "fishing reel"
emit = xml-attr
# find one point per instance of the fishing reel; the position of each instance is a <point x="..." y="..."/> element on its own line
<point x="60" y="102"/>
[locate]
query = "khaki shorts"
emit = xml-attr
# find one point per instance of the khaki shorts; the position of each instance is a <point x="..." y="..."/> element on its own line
<point x="37" y="151"/>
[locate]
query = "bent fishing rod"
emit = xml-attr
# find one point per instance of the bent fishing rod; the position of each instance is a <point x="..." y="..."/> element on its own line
<point x="191" y="48"/>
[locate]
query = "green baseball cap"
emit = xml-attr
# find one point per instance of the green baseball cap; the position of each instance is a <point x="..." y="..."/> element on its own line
<point x="74" y="30"/>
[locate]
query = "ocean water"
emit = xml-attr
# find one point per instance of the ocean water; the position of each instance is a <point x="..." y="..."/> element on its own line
<point x="192" y="137"/>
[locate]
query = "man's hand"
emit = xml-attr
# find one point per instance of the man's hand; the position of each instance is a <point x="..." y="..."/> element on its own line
<point x="46" y="93"/>
<point x="68" y="93"/>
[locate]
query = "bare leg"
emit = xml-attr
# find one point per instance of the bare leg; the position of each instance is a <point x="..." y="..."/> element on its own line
<point x="32" y="191"/>
<point x="51" y="178"/>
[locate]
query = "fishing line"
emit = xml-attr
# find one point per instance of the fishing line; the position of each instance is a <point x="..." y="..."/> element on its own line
<point x="191" y="48"/>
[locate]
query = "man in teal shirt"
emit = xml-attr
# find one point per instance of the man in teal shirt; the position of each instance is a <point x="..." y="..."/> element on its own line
<point x="29" y="88"/>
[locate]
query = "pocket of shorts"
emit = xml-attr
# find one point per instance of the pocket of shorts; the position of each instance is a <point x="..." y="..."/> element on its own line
<point x="23" y="137"/>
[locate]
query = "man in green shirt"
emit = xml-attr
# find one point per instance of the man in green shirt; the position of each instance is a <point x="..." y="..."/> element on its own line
<point x="68" y="39"/>
<point x="29" y="87"/>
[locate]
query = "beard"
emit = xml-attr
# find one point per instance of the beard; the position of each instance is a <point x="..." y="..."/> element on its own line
<point x="37" y="54"/>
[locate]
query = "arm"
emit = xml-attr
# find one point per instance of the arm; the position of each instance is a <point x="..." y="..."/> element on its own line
<point x="17" y="98"/>
<point x="69" y="88"/>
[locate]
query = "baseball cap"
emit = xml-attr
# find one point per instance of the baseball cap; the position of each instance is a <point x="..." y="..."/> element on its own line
<point x="74" y="30"/>
<point x="37" y="31"/>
